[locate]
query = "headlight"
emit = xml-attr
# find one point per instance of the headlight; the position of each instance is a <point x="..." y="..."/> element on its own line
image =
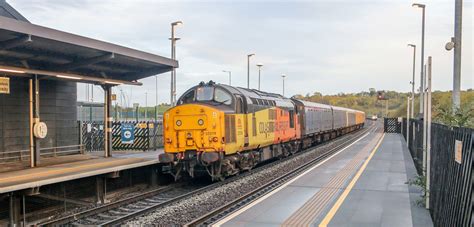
<point x="178" y="123"/>
<point x="200" y="122"/>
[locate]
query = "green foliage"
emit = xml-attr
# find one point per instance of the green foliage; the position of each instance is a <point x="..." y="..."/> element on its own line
<point x="460" y="117"/>
<point x="419" y="181"/>
<point x="397" y="104"/>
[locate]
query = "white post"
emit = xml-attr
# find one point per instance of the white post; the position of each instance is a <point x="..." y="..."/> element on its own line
<point x="408" y="122"/>
<point x="428" y="136"/>
<point x="424" y="127"/>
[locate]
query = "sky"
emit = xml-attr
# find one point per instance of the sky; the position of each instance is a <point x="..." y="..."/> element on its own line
<point x="327" y="46"/>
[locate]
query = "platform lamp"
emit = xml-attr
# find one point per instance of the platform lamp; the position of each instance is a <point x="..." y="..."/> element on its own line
<point x="248" y="69"/>
<point x="422" y="79"/>
<point x="259" y="65"/>
<point x="413" y="82"/>
<point x="283" y="78"/>
<point x="173" y="56"/>
<point x="230" y="76"/>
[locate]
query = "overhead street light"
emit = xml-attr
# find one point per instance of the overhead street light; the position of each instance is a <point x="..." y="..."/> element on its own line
<point x="283" y="78"/>
<point x="176" y="23"/>
<point x="230" y="76"/>
<point x="413" y="82"/>
<point x="259" y="65"/>
<point x="173" y="56"/>
<point x="422" y="79"/>
<point x="248" y="69"/>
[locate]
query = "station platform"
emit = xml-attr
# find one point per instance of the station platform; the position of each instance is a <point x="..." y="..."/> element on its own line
<point x="364" y="184"/>
<point x="66" y="168"/>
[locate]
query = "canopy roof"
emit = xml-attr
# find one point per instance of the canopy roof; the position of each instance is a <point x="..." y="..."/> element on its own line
<point x="29" y="48"/>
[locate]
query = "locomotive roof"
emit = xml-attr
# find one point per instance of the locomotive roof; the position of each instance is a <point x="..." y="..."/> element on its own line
<point x="253" y="93"/>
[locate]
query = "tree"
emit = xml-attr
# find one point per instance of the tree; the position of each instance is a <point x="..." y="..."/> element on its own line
<point x="372" y="91"/>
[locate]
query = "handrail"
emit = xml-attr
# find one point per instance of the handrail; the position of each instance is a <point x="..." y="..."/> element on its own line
<point x="22" y="155"/>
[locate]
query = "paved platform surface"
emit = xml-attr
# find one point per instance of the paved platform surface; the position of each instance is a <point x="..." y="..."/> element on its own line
<point x="363" y="185"/>
<point x="74" y="168"/>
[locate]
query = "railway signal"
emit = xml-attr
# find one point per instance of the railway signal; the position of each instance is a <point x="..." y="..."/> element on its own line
<point x="381" y="96"/>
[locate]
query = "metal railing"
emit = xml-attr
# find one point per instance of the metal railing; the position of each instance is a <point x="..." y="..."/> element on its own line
<point x="24" y="155"/>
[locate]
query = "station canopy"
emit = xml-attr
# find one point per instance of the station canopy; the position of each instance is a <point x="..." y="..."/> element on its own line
<point x="27" y="49"/>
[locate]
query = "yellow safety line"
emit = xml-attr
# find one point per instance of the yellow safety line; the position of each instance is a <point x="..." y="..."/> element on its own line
<point x="344" y="194"/>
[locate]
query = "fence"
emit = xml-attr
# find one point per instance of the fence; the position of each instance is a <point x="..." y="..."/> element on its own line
<point x="415" y="143"/>
<point x="391" y="125"/>
<point x="148" y="135"/>
<point x="451" y="177"/>
<point x="24" y="155"/>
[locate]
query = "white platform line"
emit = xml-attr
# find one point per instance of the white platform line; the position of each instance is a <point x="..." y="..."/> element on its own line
<point x="240" y="211"/>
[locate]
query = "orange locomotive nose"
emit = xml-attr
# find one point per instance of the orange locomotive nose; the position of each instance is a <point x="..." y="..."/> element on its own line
<point x="193" y="127"/>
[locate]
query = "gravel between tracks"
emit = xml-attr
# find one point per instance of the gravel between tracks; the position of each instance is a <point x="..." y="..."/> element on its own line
<point x="185" y="211"/>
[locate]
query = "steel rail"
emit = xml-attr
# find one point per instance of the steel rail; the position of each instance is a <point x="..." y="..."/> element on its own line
<point x="107" y="207"/>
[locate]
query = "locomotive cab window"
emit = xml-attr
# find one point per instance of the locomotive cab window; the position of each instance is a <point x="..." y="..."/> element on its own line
<point x="221" y="96"/>
<point x="187" y="98"/>
<point x="204" y="93"/>
<point x="207" y="93"/>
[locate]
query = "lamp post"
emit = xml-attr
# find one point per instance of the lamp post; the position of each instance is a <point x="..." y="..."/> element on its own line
<point x="146" y="105"/>
<point x="156" y="98"/>
<point x="173" y="56"/>
<point x="413" y="82"/>
<point x="259" y="65"/>
<point x="248" y="69"/>
<point x="230" y="76"/>
<point x="455" y="44"/>
<point x="408" y="122"/>
<point x="422" y="79"/>
<point x="283" y="78"/>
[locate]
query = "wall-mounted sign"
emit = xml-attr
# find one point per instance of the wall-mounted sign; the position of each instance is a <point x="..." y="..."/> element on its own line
<point x="40" y="130"/>
<point x="127" y="133"/>
<point x="4" y="85"/>
<point x="458" y="151"/>
<point x="113" y="97"/>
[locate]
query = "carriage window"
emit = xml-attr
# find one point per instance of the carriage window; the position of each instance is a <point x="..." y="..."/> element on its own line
<point x="222" y="97"/>
<point x="204" y="93"/>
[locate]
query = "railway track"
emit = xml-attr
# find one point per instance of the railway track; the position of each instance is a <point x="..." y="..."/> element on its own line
<point x="222" y="211"/>
<point x="123" y="209"/>
<point x="119" y="212"/>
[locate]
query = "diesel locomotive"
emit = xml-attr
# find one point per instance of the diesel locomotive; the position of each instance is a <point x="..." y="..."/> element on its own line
<point x="221" y="130"/>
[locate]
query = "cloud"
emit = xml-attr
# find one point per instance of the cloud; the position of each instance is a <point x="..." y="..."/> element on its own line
<point x="325" y="46"/>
